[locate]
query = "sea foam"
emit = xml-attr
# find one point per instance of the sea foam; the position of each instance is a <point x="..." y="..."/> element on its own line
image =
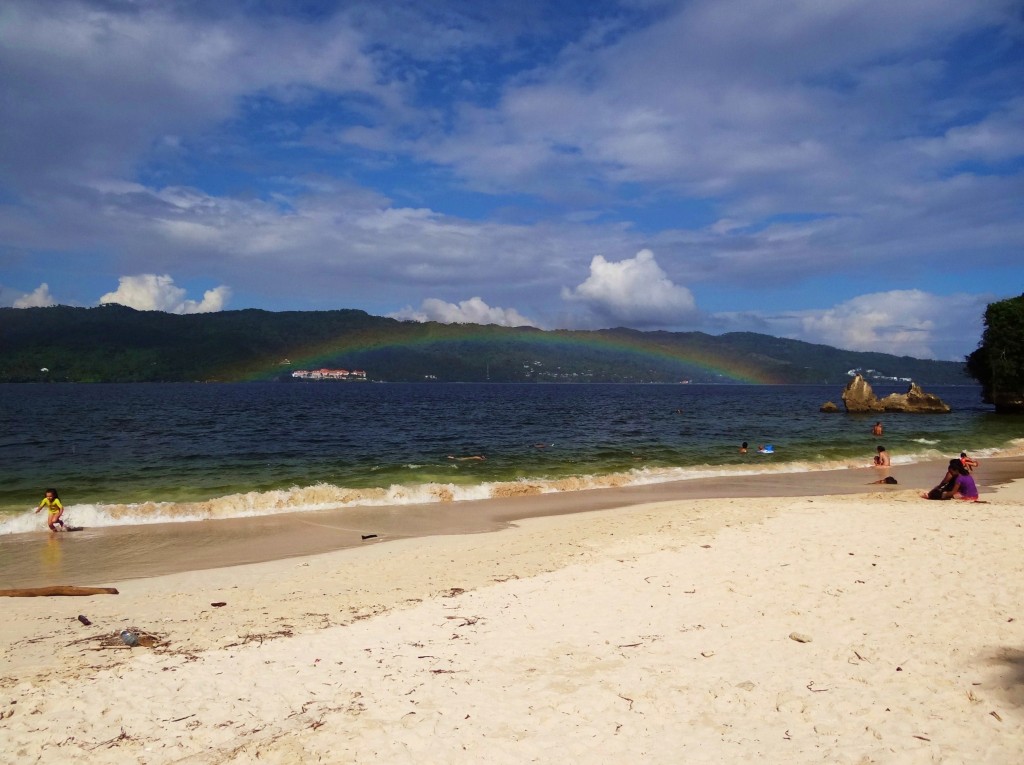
<point x="325" y="496"/>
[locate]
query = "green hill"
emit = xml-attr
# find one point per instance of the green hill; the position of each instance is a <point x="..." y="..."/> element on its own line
<point x="112" y="343"/>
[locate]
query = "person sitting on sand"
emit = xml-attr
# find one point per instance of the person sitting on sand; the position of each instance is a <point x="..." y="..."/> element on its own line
<point x="944" y="490"/>
<point x="963" y="486"/>
<point x="54" y="509"/>
<point x="882" y="458"/>
<point x="968" y="462"/>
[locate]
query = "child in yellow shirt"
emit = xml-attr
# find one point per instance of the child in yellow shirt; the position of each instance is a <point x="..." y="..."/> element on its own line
<point x="54" y="508"/>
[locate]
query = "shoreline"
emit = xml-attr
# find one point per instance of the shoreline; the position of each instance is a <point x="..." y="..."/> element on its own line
<point x="109" y="554"/>
<point x="660" y="631"/>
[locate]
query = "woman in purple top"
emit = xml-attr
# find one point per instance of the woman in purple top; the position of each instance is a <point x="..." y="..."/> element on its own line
<point x="964" y="486"/>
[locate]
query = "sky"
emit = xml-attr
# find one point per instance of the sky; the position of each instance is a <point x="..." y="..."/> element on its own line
<point x="846" y="172"/>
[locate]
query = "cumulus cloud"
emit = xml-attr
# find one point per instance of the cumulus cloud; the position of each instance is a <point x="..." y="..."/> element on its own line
<point x="149" y="292"/>
<point x="635" y="291"/>
<point x="905" y="322"/>
<point x="901" y="322"/>
<point x="39" y="298"/>
<point x="472" y="311"/>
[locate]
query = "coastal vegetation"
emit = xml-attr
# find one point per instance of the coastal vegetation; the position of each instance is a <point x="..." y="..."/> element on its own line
<point x="998" y="363"/>
<point x="112" y="343"/>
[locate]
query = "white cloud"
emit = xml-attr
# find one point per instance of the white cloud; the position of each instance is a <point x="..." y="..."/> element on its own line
<point x="635" y="291"/>
<point x="39" y="298"/>
<point x="149" y="292"/>
<point x="472" y="311"/>
<point x="901" y="322"/>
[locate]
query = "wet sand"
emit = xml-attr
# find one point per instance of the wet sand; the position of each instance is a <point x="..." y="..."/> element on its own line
<point x="103" y="555"/>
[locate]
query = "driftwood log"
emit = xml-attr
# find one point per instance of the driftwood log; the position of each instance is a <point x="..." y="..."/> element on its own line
<point x="59" y="589"/>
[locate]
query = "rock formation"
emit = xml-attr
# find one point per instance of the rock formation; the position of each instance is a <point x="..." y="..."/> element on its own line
<point x="829" y="406"/>
<point x="859" y="397"/>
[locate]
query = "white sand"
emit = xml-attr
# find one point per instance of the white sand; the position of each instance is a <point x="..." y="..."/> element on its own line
<point x="656" y="634"/>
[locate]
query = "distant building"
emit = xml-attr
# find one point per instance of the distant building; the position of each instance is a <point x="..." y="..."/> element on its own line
<point x="329" y="374"/>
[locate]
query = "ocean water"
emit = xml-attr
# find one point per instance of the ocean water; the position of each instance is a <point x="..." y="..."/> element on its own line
<point x="148" y="453"/>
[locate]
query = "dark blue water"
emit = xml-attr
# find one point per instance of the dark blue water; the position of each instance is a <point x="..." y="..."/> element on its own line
<point x="162" y="451"/>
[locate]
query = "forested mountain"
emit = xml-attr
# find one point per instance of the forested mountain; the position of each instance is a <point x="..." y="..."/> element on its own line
<point x="112" y="343"/>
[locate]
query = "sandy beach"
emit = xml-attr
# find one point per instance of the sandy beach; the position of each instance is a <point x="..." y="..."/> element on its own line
<point x="858" y="628"/>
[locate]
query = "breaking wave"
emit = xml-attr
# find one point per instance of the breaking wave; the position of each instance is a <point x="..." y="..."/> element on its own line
<point x="325" y="496"/>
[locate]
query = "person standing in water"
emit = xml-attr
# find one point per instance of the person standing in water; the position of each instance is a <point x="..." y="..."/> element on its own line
<point x="876" y="430"/>
<point x="968" y="462"/>
<point x="54" y="509"/>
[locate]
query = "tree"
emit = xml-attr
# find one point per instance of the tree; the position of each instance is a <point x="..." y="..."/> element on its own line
<point x="998" y="363"/>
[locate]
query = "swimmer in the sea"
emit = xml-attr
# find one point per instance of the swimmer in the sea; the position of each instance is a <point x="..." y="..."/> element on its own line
<point x="468" y="457"/>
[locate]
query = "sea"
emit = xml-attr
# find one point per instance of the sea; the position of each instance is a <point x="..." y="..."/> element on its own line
<point x="132" y="454"/>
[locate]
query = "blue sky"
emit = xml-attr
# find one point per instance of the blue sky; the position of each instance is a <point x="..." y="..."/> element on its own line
<point x="847" y="172"/>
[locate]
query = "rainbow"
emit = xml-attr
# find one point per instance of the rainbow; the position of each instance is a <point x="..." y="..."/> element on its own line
<point x="656" y="347"/>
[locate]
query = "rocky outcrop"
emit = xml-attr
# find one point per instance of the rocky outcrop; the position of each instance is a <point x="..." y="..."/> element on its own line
<point x="859" y="397"/>
<point x="829" y="406"/>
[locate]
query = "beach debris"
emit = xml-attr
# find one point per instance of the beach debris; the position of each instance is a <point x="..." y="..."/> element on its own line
<point x="996" y="715"/>
<point x="130" y="636"/>
<point x="800" y="637"/>
<point x="113" y="640"/>
<point x="260" y="637"/>
<point x="60" y="589"/>
<point x="219" y="603"/>
<point x="112" y="742"/>
<point x="468" y="620"/>
<point x="84" y="620"/>
<point x="369" y="536"/>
